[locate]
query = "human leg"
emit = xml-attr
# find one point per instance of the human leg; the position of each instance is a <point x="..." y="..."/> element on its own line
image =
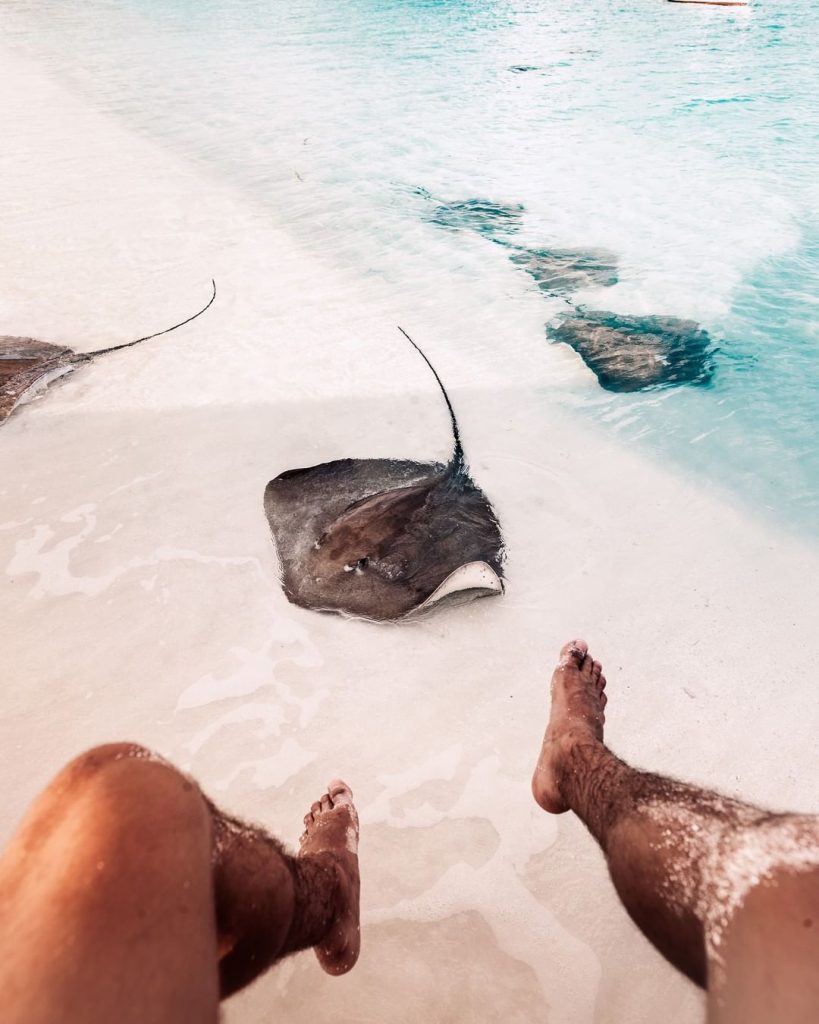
<point x="685" y="862"/>
<point x="315" y="897"/>
<point x="123" y="885"/>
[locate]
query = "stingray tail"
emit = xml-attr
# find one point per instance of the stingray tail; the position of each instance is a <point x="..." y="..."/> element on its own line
<point x="128" y="344"/>
<point x="457" y="462"/>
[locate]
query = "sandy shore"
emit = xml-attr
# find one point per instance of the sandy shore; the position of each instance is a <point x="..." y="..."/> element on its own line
<point x="139" y="598"/>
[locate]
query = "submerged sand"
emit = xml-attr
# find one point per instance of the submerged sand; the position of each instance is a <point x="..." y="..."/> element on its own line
<point x="139" y="596"/>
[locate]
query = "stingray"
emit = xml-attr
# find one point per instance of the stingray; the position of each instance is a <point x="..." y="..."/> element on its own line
<point x="383" y="539"/>
<point x="563" y="271"/>
<point x="27" y="366"/>
<point x="635" y="353"/>
<point x="482" y="215"/>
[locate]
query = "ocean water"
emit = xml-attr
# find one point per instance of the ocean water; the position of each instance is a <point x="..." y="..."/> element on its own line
<point x="684" y="140"/>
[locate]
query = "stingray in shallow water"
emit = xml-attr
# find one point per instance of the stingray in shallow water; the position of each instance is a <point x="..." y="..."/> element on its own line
<point x="382" y="538"/>
<point x="27" y="366"/>
<point x="632" y="353"/>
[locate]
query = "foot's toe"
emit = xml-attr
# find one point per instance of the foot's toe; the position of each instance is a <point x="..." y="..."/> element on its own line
<point x="603" y="701"/>
<point x="573" y="652"/>
<point x="340" y="792"/>
<point x="601" y="683"/>
<point x="326" y="803"/>
<point x="315" y="807"/>
<point x="596" y="669"/>
<point x="308" y="819"/>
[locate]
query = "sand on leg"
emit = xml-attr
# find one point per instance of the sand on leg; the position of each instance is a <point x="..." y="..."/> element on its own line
<point x="314" y="896"/>
<point x="125" y="895"/>
<point x="721" y="888"/>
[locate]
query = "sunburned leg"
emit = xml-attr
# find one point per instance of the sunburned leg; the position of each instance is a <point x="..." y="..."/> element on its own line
<point x="123" y="886"/>
<point x="769" y="954"/>
<point x="106" y="907"/>
<point x="692" y="868"/>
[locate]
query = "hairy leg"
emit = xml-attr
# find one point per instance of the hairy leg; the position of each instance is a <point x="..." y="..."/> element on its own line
<point x="269" y="904"/>
<point x="684" y="861"/>
<point x="123" y="886"/>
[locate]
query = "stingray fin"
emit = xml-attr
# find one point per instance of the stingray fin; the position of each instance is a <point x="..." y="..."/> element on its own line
<point x="391" y="499"/>
<point x="373" y="524"/>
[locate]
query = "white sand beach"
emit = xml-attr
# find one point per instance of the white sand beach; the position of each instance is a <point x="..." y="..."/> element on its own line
<point x="140" y="597"/>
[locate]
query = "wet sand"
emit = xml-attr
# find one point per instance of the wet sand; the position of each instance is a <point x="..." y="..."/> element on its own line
<point x="139" y="597"/>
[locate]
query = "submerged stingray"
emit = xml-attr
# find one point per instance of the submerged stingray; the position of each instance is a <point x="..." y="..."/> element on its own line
<point x="382" y="538"/>
<point x="563" y="271"/>
<point x="632" y="353"/>
<point x="27" y="366"/>
<point x="482" y="215"/>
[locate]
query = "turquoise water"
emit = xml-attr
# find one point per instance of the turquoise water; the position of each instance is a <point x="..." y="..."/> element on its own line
<point x="685" y="140"/>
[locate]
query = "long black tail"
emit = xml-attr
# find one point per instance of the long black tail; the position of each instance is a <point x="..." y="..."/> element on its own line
<point x="457" y="460"/>
<point x="128" y="344"/>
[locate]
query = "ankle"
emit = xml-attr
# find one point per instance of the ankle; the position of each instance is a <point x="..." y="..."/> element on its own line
<point x="576" y="755"/>
<point x="316" y="886"/>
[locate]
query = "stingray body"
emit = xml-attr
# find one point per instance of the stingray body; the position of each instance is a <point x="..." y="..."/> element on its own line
<point x="383" y="539"/>
<point x="28" y="365"/>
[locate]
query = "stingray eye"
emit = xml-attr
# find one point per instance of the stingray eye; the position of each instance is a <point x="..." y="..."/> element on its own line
<point x="358" y="566"/>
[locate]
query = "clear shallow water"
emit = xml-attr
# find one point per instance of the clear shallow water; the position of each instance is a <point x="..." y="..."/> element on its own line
<point x="684" y="140"/>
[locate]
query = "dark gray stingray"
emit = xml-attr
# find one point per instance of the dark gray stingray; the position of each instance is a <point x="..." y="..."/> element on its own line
<point x="631" y="353"/>
<point x="481" y="215"/>
<point x="28" y="365"/>
<point x="384" y="538"/>
<point x="560" y="271"/>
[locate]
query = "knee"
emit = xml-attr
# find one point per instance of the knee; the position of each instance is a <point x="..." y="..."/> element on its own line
<point x="138" y="782"/>
<point x="91" y="762"/>
<point x="123" y="761"/>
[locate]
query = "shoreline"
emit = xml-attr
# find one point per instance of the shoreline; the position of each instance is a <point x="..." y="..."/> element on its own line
<point x="140" y="597"/>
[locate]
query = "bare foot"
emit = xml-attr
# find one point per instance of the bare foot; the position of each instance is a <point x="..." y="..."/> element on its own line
<point x="332" y="830"/>
<point x="576" y="717"/>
